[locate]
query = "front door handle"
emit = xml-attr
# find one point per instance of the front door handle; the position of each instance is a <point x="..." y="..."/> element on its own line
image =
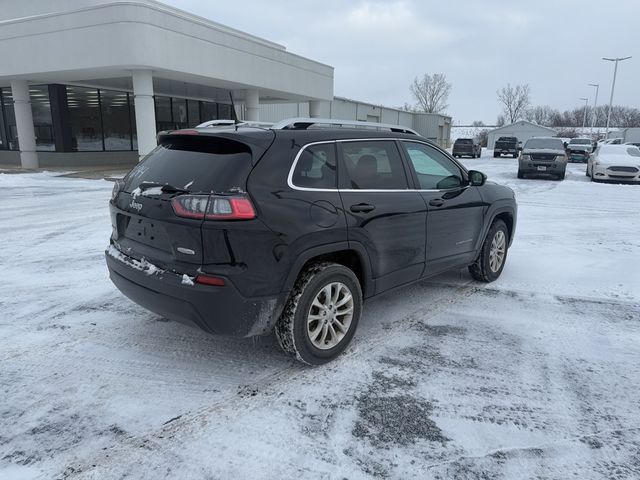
<point x="362" y="207"/>
<point x="436" y="202"/>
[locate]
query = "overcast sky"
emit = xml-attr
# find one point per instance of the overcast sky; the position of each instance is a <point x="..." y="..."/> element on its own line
<point x="378" y="47"/>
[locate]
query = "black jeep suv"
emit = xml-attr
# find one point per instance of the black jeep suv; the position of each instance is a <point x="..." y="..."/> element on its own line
<point x="242" y="231"/>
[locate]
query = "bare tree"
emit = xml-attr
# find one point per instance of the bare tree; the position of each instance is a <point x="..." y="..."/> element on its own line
<point x="407" y="107"/>
<point x="624" y="117"/>
<point x="478" y="123"/>
<point x="500" y="121"/>
<point x="483" y="137"/>
<point x="431" y="92"/>
<point x="540" y="114"/>
<point x="515" y="101"/>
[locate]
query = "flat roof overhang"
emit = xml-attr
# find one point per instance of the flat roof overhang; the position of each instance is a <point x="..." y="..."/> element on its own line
<point x="189" y="56"/>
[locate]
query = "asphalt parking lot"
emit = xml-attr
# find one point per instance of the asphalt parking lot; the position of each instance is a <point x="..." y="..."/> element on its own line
<point x="533" y="376"/>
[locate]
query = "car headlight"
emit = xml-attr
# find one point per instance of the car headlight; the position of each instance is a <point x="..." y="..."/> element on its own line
<point x="561" y="158"/>
<point x="526" y="157"/>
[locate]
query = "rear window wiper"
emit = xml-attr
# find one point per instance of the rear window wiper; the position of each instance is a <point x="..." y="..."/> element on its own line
<point x="164" y="187"/>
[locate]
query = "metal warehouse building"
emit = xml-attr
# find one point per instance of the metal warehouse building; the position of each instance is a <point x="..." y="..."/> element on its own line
<point x="522" y="130"/>
<point x="92" y="81"/>
<point x="433" y="126"/>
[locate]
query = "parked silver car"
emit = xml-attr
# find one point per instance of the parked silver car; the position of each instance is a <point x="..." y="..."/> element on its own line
<point x="543" y="155"/>
<point x="614" y="163"/>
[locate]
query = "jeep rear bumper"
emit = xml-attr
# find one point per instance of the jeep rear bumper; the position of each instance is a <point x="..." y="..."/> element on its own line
<point x="219" y="310"/>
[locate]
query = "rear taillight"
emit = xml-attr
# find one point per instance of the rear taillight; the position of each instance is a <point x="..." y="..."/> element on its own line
<point x="117" y="188"/>
<point x="210" y="280"/>
<point x="213" y="207"/>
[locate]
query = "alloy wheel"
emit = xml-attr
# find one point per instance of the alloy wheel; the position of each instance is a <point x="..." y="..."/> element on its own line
<point x="330" y="315"/>
<point x="497" y="251"/>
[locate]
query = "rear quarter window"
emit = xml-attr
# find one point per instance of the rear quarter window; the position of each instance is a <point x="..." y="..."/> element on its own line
<point x="316" y="167"/>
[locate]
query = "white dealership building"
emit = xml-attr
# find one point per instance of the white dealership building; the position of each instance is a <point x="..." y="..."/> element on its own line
<point x="92" y="81"/>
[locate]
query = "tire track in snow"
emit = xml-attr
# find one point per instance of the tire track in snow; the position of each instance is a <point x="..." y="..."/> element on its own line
<point x="280" y="380"/>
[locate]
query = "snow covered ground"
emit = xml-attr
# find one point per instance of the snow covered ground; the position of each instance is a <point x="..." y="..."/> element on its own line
<point x="534" y="376"/>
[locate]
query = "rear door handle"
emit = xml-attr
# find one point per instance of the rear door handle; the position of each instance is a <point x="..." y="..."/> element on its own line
<point x="362" y="207"/>
<point x="436" y="202"/>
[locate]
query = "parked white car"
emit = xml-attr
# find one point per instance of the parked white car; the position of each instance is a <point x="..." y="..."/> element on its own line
<point x="616" y="163"/>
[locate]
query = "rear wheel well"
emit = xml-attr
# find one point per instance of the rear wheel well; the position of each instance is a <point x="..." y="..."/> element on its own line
<point x="347" y="258"/>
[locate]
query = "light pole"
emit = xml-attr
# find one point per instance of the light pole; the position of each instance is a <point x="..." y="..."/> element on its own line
<point x="613" y="86"/>
<point x="595" y="102"/>
<point x="584" y="117"/>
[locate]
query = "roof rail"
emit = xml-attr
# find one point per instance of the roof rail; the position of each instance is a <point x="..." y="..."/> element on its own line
<point x="232" y="123"/>
<point x="302" y="123"/>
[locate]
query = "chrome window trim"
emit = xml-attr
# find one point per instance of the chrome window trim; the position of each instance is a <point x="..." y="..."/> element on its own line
<point x="323" y="142"/>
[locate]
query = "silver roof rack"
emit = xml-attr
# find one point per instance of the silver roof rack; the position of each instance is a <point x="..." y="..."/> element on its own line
<point x="232" y="123"/>
<point x="302" y="123"/>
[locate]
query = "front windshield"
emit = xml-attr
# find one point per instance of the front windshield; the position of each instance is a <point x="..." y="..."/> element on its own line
<point x="540" y="143"/>
<point x="634" y="151"/>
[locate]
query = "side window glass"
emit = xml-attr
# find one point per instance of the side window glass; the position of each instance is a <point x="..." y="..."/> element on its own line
<point x="373" y="165"/>
<point x="434" y="170"/>
<point x="316" y="167"/>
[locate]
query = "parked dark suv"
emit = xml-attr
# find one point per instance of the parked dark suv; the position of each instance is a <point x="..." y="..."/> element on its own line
<point x="466" y="147"/>
<point x="240" y="232"/>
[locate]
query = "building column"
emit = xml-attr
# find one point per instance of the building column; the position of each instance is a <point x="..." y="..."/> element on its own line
<point x="145" y="111"/>
<point x="252" y="100"/>
<point x="24" y="123"/>
<point x="314" y="109"/>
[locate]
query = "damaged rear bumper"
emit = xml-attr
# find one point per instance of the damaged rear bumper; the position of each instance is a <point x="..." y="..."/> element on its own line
<point x="218" y="310"/>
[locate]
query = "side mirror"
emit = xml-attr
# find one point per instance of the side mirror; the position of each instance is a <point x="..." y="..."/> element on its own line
<point x="452" y="181"/>
<point x="476" y="179"/>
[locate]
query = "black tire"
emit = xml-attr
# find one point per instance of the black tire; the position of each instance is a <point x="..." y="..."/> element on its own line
<point x="292" y="326"/>
<point x="480" y="269"/>
<point x="586" y="171"/>
<point x="561" y="176"/>
<point x="515" y="155"/>
<point x="496" y="155"/>
<point x="520" y="174"/>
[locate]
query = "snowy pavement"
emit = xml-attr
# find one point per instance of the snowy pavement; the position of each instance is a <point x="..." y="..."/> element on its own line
<point x="534" y="376"/>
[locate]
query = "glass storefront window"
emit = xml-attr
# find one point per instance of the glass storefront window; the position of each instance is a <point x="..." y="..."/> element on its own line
<point x="42" y="123"/>
<point x="163" y="113"/>
<point x="11" y="131"/>
<point x="209" y="111"/>
<point x="193" y="112"/>
<point x="84" y="118"/>
<point x="224" y="111"/>
<point x="95" y="119"/>
<point x="3" y="131"/>
<point x="134" y="131"/>
<point x="116" y="122"/>
<point x="179" y="107"/>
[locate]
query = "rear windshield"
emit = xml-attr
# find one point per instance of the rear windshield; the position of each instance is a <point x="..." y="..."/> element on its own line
<point x="539" y="143"/>
<point x="197" y="164"/>
<point x="507" y="139"/>
<point x="580" y="141"/>
<point x="464" y="140"/>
